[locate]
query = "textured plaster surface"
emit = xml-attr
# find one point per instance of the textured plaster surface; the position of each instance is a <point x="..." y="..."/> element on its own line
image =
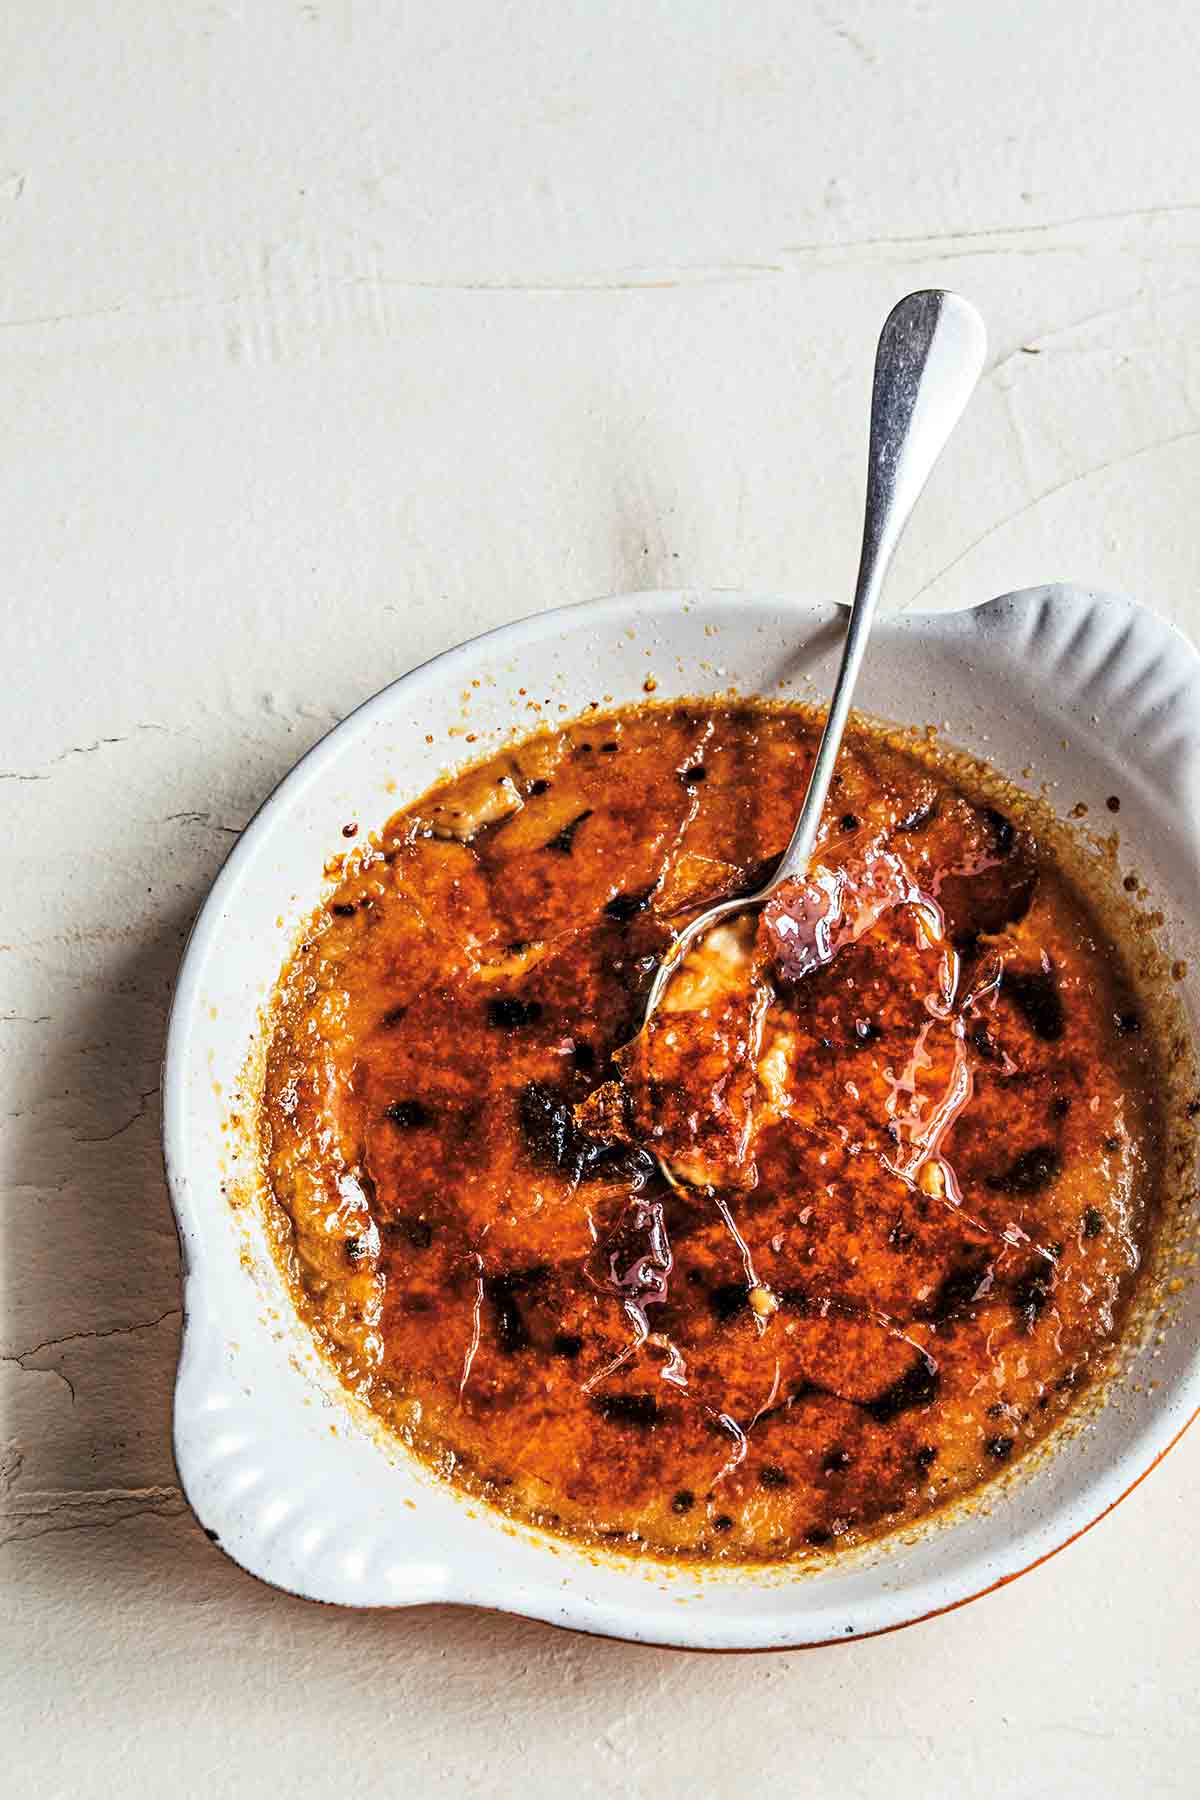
<point x="332" y="333"/>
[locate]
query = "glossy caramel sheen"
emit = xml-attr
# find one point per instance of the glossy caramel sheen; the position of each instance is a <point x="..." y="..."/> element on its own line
<point x="909" y="1180"/>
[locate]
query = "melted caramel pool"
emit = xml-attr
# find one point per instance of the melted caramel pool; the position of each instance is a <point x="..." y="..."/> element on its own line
<point x="839" y="1239"/>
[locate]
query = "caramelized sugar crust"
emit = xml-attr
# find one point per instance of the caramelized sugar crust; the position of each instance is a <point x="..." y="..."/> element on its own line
<point x="846" y="1232"/>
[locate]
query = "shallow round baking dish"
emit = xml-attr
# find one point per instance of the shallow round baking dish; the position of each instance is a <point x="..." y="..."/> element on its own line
<point x="1080" y="696"/>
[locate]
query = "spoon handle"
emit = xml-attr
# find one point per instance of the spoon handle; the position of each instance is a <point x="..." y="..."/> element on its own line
<point x="930" y="355"/>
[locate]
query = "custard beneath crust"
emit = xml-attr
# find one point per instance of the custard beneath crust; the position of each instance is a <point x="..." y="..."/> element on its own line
<point x="845" y="1233"/>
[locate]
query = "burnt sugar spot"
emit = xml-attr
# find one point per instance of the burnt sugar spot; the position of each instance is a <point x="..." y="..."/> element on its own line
<point x="627" y="1409"/>
<point x="625" y="906"/>
<point x="1035" y="994"/>
<point x="563" y="842"/>
<point x="1003" y="833"/>
<point x="988" y="901"/>
<point x="1030" y="1172"/>
<point x="1032" y="1290"/>
<point x="510" y="1013"/>
<point x="505" y="1293"/>
<point x="918" y="1386"/>
<point x="511" y="1331"/>
<point x="555" y="1139"/>
<point x="964" y="1284"/>
<point x="416" y="1233"/>
<point x="550" y="1129"/>
<point x="409" y="1115"/>
<point x="728" y="1300"/>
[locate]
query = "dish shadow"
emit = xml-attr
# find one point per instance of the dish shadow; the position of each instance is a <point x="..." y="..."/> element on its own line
<point x="91" y="1266"/>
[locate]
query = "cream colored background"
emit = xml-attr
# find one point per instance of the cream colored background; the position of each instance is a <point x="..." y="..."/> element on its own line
<point x="331" y="333"/>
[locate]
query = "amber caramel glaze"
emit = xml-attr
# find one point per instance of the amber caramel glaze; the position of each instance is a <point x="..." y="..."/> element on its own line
<point x="862" y="1318"/>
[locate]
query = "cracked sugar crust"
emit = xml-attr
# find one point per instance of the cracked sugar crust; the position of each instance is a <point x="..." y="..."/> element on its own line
<point x="908" y="1119"/>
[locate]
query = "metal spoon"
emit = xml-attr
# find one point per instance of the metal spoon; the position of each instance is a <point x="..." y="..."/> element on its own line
<point x="930" y="355"/>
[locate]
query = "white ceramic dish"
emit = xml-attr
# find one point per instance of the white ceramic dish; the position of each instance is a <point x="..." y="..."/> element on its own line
<point x="1090" y="694"/>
